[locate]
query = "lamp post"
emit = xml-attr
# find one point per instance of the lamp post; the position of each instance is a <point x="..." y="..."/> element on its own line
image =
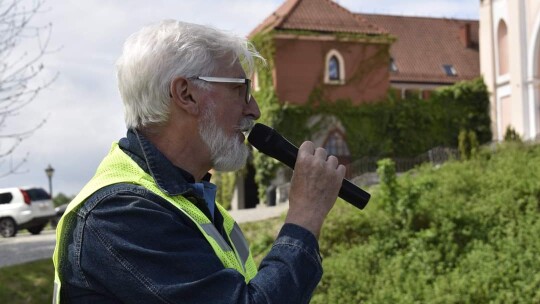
<point x="49" y="171"/>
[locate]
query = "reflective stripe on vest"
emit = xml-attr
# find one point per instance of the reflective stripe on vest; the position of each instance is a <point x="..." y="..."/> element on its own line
<point x="117" y="167"/>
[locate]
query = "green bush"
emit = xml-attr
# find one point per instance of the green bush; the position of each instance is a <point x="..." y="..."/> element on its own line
<point x="225" y="186"/>
<point x="467" y="144"/>
<point x="464" y="232"/>
<point x="386" y="169"/>
<point x="386" y="128"/>
<point x="61" y="199"/>
<point x="511" y="135"/>
<point x="395" y="128"/>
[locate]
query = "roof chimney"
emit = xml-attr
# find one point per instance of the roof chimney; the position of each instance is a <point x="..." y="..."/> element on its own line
<point x="465" y="35"/>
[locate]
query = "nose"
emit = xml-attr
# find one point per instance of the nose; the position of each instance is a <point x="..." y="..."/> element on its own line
<point x="252" y="109"/>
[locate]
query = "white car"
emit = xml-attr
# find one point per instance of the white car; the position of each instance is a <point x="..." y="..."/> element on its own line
<point x="24" y="208"/>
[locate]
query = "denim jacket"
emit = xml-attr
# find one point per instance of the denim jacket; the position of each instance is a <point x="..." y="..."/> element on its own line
<point x="127" y="245"/>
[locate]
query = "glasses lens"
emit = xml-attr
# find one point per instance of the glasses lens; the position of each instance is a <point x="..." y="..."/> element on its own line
<point x="248" y="90"/>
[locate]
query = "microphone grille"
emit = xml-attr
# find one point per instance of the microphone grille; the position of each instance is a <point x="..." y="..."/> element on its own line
<point x="260" y="135"/>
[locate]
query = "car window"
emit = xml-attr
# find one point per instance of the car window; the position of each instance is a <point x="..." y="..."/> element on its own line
<point x="5" y="198"/>
<point x="38" y="194"/>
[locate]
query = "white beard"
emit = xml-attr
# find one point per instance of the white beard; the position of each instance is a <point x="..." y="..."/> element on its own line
<point x="227" y="154"/>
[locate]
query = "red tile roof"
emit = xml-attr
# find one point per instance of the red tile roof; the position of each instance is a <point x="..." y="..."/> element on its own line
<point x="423" y="45"/>
<point x="316" y="15"/>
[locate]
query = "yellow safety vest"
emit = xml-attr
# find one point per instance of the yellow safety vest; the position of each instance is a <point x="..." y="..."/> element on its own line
<point x="118" y="167"/>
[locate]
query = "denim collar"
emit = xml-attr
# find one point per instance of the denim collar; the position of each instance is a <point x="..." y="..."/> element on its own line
<point x="169" y="178"/>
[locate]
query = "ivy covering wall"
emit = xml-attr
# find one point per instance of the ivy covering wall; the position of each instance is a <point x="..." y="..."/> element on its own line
<point x="395" y="128"/>
<point x="384" y="128"/>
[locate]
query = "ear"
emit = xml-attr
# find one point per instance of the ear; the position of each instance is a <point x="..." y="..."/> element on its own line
<point x="182" y="91"/>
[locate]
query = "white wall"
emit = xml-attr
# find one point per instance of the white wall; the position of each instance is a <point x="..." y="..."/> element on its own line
<point x="520" y="87"/>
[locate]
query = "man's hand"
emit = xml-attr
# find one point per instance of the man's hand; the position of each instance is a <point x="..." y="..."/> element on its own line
<point x="315" y="186"/>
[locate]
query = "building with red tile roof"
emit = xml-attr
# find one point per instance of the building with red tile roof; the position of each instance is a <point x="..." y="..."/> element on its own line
<point x="316" y="15"/>
<point x="321" y="45"/>
<point x="318" y="46"/>
<point x="430" y="52"/>
<point x="424" y="53"/>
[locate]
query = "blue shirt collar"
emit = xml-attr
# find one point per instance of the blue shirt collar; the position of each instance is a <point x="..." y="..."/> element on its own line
<point x="169" y="178"/>
<point x="207" y="191"/>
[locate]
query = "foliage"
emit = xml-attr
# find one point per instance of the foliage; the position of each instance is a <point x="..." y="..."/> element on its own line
<point x="225" y="185"/>
<point x="340" y="36"/>
<point x="269" y="107"/>
<point x="261" y="236"/>
<point x="465" y="232"/>
<point x="388" y="128"/>
<point x="467" y="144"/>
<point x="61" y="199"/>
<point x="27" y="283"/>
<point x="384" y="128"/>
<point x="464" y="105"/>
<point x="386" y="169"/>
<point x="511" y="135"/>
<point x="397" y="128"/>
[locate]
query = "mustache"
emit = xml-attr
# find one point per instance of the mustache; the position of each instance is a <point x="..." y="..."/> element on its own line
<point x="245" y="125"/>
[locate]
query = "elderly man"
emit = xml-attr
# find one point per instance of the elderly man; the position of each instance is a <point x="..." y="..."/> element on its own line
<point x="146" y="228"/>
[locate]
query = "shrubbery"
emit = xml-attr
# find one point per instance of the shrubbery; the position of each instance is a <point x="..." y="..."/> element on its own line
<point x="396" y="128"/>
<point x="387" y="128"/>
<point x="465" y="232"/>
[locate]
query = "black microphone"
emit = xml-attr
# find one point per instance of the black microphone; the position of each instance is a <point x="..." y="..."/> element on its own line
<point x="271" y="143"/>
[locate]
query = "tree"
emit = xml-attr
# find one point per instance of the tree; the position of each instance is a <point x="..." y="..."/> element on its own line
<point x="22" y="47"/>
<point x="61" y="199"/>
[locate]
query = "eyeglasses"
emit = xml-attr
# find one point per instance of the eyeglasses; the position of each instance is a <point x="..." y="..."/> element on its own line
<point x="245" y="81"/>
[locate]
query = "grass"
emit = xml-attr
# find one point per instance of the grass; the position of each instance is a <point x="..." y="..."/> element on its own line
<point x="27" y="283"/>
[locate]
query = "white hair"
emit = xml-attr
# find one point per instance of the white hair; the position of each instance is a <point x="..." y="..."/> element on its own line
<point x="156" y="54"/>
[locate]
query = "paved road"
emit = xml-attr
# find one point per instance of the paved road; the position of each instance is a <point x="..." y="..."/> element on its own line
<point x="26" y="248"/>
<point x="259" y="213"/>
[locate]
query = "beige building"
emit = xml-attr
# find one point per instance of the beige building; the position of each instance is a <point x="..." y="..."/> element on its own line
<point x="510" y="64"/>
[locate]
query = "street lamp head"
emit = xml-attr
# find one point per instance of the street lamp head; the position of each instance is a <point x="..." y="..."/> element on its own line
<point x="49" y="171"/>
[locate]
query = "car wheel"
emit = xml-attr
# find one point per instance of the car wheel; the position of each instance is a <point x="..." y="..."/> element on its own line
<point x="7" y="227"/>
<point x="36" y="229"/>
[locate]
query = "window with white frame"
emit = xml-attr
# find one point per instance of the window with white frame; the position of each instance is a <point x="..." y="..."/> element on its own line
<point x="334" y="68"/>
<point x="449" y="70"/>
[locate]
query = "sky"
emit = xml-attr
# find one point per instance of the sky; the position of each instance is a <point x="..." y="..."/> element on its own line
<point x="83" y="108"/>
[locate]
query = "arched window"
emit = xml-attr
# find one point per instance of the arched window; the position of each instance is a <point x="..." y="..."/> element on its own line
<point x="336" y="145"/>
<point x="334" y="68"/>
<point x="502" y="47"/>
